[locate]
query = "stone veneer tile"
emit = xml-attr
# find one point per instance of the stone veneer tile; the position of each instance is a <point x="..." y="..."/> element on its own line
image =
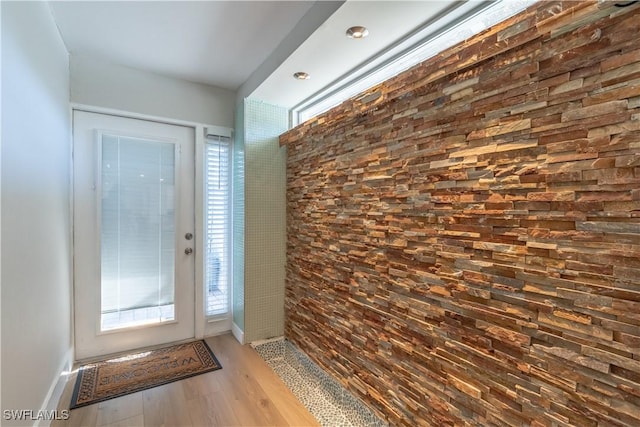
<point x="463" y="240"/>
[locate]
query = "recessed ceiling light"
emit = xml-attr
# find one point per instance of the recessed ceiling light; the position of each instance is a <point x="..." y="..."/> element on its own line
<point x="357" y="32"/>
<point x="301" y="75"/>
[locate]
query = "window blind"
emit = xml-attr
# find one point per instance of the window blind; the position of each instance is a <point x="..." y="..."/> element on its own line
<point x="137" y="227"/>
<point x="218" y="223"/>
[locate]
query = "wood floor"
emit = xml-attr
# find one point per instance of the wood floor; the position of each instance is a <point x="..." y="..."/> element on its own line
<point x="245" y="392"/>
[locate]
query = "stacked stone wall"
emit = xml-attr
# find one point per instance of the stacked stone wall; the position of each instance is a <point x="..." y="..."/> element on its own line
<point x="464" y="239"/>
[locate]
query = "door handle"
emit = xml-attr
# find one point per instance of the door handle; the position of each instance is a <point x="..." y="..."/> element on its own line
<point x="188" y="251"/>
<point x="188" y="236"/>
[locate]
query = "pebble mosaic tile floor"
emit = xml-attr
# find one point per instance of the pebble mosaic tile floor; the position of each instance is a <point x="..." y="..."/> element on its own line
<point x="325" y="398"/>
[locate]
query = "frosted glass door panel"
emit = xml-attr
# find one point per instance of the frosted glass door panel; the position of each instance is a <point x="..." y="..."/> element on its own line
<point x="138" y="231"/>
<point x="133" y="202"/>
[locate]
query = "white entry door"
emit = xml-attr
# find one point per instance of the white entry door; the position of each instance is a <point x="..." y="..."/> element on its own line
<point x="133" y="233"/>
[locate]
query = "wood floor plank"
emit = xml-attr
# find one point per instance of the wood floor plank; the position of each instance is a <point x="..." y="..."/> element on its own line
<point x="241" y="398"/>
<point x="200" y="385"/>
<point x="244" y="392"/>
<point x="279" y="395"/>
<point x="121" y="408"/>
<point x="137" y="421"/>
<point x="166" y="406"/>
<point x="85" y="416"/>
<point x="212" y="410"/>
<point x="239" y="380"/>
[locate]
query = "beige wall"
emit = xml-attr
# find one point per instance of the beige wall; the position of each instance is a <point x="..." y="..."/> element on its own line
<point x="107" y="85"/>
<point x="36" y="219"/>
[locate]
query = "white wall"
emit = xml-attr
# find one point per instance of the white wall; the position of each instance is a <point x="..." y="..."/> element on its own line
<point x="113" y="86"/>
<point x="36" y="222"/>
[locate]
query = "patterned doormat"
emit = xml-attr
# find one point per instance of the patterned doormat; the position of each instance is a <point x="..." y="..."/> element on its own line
<point x="99" y="381"/>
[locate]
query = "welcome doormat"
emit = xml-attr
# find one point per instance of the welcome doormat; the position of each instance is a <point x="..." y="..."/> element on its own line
<point x="99" y="381"/>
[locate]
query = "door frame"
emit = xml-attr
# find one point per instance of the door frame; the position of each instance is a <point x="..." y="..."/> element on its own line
<point x="203" y="326"/>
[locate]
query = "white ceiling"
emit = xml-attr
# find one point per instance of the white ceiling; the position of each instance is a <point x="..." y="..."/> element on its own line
<point x="329" y="55"/>
<point x="252" y="47"/>
<point x="219" y="43"/>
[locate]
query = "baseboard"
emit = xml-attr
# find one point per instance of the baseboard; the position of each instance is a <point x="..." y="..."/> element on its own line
<point x="217" y="326"/>
<point x="237" y="332"/>
<point x="56" y="389"/>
